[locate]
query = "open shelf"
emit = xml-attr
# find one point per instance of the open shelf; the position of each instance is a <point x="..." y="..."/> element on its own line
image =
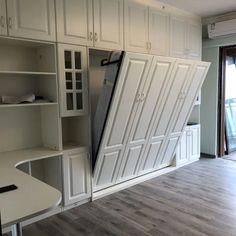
<point x="26" y="73"/>
<point x="28" y="104"/>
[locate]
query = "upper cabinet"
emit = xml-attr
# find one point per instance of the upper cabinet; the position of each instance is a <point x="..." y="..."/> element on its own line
<point x="159" y="32"/>
<point x="136" y="27"/>
<point x="99" y="25"/>
<point x="75" y="21"/>
<point x="31" y="19"/>
<point x="108" y="24"/>
<point x="3" y="18"/>
<point x="146" y="29"/>
<point x="185" y="38"/>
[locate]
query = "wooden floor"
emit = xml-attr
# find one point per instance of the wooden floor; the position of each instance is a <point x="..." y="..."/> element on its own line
<point x="199" y="199"/>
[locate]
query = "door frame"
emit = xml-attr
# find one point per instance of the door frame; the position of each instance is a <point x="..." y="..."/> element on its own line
<point x="222" y="141"/>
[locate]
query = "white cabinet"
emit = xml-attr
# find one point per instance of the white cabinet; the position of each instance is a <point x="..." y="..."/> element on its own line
<point x="75" y="21"/>
<point x="125" y="101"/>
<point x="185" y="38"/>
<point x="76" y="176"/>
<point x="3" y="18"/>
<point x="189" y="147"/>
<point x="146" y="29"/>
<point x="82" y="22"/>
<point x="108" y="24"/>
<point x="31" y="19"/>
<point x="159" y="32"/>
<point x="72" y="62"/>
<point x="136" y="27"/>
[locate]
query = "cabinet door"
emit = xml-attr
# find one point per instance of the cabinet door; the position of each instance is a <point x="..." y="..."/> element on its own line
<point x="188" y="97"/>
<point x="32" y="19"/>
<point x="108" y="24"/>
<point x="73" y="80"/>
<point x="3" y="18"/>
<point x="136" y="27"/>
<point x="148" y="104"/>
<point x="76" y="177"/>
<point x="178" y="37"/>
<point x="75" y="21"/>
<point x="194" y="144"/>
<point x="159" y="32"/>
<point x="194" y="40"/>
<point x="121" y="115"/>
<point x="170" y="99"/>
<point x="182" y="153"/>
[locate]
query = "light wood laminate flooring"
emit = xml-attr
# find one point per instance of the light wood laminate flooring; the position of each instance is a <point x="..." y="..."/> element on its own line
<point x="195" y="200"/>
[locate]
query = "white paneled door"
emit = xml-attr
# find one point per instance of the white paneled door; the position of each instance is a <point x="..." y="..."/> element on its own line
<point x="32" y="19"/>
<point x="108" y="24"/>
<point x="75" y="21"/>
<point x="123" y="109"/>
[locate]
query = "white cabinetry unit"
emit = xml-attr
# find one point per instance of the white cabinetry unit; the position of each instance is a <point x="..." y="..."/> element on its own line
<point x="3" y="18"/>
<point x="31" y="19"/>
<point x="189" y="147"/>
<point x="108" y="24"/>
<point x="146" y="29"/>
<point x="76" y="176"/>
<point x="72" y="61"/>
<point x="185" y="38"/>
<point x="82" y="22"/>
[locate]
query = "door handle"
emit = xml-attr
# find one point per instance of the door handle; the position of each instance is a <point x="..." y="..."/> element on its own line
<point x="96" y="37"/>
<point x="142" y="98"/>
<point x="91" y="36"/>
<point x="10" y="23"/>
<point x="2" y="21"/>
<point x="138" y="99"/>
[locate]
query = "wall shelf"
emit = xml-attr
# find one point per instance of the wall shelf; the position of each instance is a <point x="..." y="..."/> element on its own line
<point x="28" y="104"/>
<point x="27" y="73"/>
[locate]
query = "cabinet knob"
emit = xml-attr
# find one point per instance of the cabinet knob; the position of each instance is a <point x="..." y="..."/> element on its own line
<point x="2" y="21"/>
<point x="10" y="23"/>
<point x="96" y="37"/>
<point x="138" y="98"/>
<point x="91" y="36"/>
<point x="142" y="98"/>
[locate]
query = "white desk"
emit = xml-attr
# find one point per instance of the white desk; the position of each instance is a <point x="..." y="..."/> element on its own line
<point x="32" y="197"/>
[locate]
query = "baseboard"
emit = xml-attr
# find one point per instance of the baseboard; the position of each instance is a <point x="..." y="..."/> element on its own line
<point x="130" y="183"/>
<point x="206" y="155"/>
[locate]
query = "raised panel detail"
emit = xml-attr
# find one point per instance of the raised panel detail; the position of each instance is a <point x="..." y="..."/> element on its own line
<point x="107" y="169"/>
<point x="108" y="23"/>
<point x="32" y="19"/>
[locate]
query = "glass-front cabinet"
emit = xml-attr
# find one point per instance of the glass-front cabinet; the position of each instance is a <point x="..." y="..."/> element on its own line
<point x="73" y="80"/>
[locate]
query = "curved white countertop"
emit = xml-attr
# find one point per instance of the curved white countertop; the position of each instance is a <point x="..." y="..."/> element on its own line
<point x="32" y="197"/>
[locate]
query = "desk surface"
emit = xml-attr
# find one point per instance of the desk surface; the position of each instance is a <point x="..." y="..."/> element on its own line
<point x="32" y="197"/>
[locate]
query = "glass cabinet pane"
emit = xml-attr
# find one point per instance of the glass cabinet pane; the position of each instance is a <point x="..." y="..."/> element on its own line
<point x="68" y="59"/>
<point x="77" y="60"/>
<point x="69" y="101"/>
<point x="69" y="84"/>
<point x="78" y="77"/>
<point x="79" y="101"/>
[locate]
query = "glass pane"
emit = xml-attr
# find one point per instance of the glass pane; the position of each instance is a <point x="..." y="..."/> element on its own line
<point x="68" y="85"/>
<point x="77" y="60"/>
<point x="230" y="100"/>
<point x="78" y="77"/>
<point x="69" y="101"/>
<point x="79" y="101"/>
<point x="69" y="76"/>
<point x="68" y="61"/>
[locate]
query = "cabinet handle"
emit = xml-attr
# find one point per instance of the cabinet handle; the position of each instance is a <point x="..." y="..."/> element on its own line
<point x="91" y="36"/>
<point x="10" y="23"/>
<point x="142" y="97"/>
<point x="2" y="21"/>
<point x="147" y="46"/>
<point x="150" y="46"/>
<point x="96" y="37"/>
<point x="138" y="99"/>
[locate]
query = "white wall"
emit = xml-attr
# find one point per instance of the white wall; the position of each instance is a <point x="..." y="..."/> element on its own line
<point x="209" y="104"/>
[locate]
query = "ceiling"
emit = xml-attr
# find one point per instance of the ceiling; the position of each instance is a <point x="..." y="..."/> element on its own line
<point x="204" y="8"/>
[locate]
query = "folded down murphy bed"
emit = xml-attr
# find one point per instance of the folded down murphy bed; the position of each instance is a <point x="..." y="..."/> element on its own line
<point x="142" y="111"/>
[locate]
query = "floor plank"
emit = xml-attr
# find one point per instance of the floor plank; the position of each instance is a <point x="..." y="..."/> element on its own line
<point x="195" y="200"/>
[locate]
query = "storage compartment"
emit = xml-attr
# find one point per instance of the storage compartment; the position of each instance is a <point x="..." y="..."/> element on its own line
<point x="75" y="132"/>
<point x="29" y="127"/>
